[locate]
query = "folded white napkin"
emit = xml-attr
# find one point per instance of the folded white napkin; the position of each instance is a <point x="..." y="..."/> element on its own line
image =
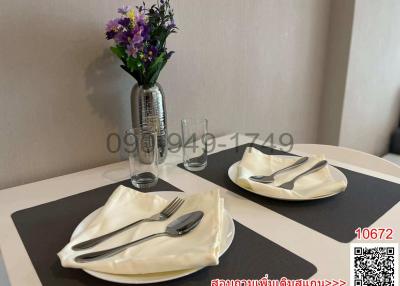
<point x="198" y="248"/>
<point x="313" y="185"/>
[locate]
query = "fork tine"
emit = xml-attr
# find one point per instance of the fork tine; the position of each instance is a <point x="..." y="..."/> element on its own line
<point x="175" y="208"/>
<point x="172" y="208"/>
<point x="170" y="205"/>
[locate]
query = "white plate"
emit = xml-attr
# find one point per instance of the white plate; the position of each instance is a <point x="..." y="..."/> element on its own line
<point x="336" y="174"/>
<point x="228" y="232"/>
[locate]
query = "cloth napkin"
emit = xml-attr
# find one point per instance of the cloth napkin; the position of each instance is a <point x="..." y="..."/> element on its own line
<point x="314" y="185"/>
<point x="196" y="249"/>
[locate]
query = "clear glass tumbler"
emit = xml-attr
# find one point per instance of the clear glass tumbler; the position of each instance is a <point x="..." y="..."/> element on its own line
<point x="143" y="156"/>
<point x="194" y="143"/>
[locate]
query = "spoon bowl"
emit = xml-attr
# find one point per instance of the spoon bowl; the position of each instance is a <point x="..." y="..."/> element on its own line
<point x="184" y="224"/>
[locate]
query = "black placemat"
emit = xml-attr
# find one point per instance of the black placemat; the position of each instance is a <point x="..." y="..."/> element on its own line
<point x="45" y="229"/>
<point x="365" y="200"/>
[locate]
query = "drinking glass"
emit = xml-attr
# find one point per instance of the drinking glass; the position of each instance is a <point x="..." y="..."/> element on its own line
<point x="194" y="143"/>
<point x="143" y="156"/>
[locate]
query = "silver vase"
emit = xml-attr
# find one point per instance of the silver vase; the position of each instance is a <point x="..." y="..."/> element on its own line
<point x="148" y="108"/>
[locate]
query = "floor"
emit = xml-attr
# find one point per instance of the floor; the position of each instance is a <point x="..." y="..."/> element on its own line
<point x="395" y="158"/>
<point x="3" y="275"/>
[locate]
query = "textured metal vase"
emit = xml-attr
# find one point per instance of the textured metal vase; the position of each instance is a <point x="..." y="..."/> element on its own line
<point x="148" y="108"/>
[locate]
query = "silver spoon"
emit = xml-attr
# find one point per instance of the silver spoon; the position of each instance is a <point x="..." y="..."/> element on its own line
<point x="271" y="178"/>
<point x="165" y="214"/>
<point x="178" y="227"/>
<point x="290" y="185"/>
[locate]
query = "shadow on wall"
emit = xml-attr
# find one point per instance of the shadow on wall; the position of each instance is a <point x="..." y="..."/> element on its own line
<point x="395" y="136"/>
<point x="398" y="104"/>
<point x="396" y="109"/>
<point x="109" y="89"/>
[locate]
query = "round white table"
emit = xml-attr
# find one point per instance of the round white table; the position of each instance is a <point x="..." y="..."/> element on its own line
<point x="329" y="256"/>
<point x="353" y="157"/>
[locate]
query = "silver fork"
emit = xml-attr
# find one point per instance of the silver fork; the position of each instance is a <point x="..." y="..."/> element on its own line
<point x="167" y="212"/>
<point x="290" y="185"/>
<point x="270" y="178"/>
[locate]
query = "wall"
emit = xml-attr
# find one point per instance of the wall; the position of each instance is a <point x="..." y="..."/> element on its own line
<point x="256" y="67"/>
<point x="245" y="65"/>
<point x="335" y="75"/>
<point x="61" y="93"/>
<point x="372" y="96"/>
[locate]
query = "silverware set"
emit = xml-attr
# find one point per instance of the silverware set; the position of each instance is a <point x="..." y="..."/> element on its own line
<point x="183" y="224"/>
<point x="178" y="227"/>
<point x="290" y="184"/>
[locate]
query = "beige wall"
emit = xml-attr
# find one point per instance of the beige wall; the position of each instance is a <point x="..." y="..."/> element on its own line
<point x="335" y="76"/>
<point x="372" y="96"/>
<point x="248" y="66"/>
<point x="256" y="67"/>
<point x="361" y="99"/>
<point x="60" y="92"/>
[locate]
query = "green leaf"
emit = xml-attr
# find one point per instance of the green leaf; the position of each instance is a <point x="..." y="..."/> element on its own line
<point x="134" y="64"/>
<point x="156" y="64"/>
<point x="136" y="75"/>
<point x="155" y="68"/>
<point x="155" y="76"/>
<point x="135" y="68"/>
<point x="119" y="52"/>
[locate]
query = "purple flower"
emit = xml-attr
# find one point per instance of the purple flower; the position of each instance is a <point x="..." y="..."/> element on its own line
<point x="137" y="32"/>
<point x="141" y="19"/>
<point x="146" y="32"/>
<point x="153" y="51"/>
<point x="112" y="25"/>
<point x="150" y="53"/>
<point x="137" y="39"/>
<point x="121" y="38"/>
<point x="110" y="35"/>
<point x="124" y="22"/>
<point x="124" y="10"/>
<point x="132" y="50"/>
<point x="171" y="26"/>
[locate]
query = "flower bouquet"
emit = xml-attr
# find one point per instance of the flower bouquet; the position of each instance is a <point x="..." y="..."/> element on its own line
<point x="140" y="40"/>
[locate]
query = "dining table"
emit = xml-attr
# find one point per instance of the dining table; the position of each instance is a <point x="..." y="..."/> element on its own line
<point x="306" y="235"/>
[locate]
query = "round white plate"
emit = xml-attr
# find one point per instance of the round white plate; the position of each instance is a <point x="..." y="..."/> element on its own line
<point x="336" y="174"/>
<point x="228" y="232"/>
